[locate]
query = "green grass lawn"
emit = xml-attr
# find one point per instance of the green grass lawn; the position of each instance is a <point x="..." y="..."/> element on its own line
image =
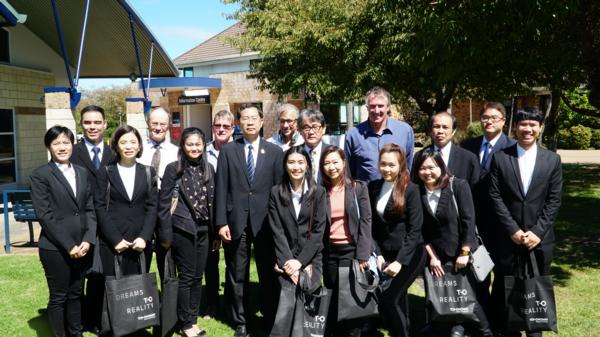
<point x="576" y="268"/>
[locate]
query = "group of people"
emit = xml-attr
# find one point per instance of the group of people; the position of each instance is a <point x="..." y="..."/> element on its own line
<point x="297" y="204"/>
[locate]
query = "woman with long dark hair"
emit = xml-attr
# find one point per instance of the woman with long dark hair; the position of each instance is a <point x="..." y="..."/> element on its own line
<point x="348" y="230"/>
<point x="397" y="221"/>
<point x="448" y="231"/>
<point x="185" y="223"/>
<point x="297" y="220"/>
<point x="62" y="199"/>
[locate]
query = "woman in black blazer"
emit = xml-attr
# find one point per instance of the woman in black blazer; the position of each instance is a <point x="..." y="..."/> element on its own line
<point x="397" y="221"/>
<point x="348" y="230"/>
<point x="184" y="226"/>
<point x="449" y="232"/>
<point x="297" y="219"/>
<point x="62" y="199"/>
<point x="126" y="204"/>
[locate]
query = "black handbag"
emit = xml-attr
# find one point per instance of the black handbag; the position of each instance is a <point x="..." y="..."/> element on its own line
<point x="530" y="301"/>
<point x="168" y="297"/>
<point x="310" y="313"/>
<point x="451" y="297"/>
<point x="357" y="292"/>
<point x="132" y="301"/>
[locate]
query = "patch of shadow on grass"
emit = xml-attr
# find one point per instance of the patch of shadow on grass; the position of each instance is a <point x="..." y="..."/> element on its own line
<point x="560" y="275"/>
<point x="40" y="324"/>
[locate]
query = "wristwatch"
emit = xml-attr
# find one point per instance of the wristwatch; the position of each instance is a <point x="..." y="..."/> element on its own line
<point x="464" y="252"/>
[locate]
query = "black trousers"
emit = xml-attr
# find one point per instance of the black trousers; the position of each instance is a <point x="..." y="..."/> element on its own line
<point x="543" y="256"/>
<point x="339" y="256"/>
<point x="211" y="277"/>
<point x="65" y="284"/>
<point x="394" y="300"/>
<point x="237" y="275"/>
<point x="189" y="252"/>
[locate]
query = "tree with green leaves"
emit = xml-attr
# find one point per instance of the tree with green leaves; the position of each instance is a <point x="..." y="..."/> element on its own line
<point x="112" y="100"/>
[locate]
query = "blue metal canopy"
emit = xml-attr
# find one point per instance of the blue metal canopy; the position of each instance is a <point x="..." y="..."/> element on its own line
<point x="9" y="16"/>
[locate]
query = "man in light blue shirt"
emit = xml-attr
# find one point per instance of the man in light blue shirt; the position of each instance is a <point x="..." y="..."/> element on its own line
<point x="364" y="141"/>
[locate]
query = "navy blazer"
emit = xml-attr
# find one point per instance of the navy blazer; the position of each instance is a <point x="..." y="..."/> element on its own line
<point x="446" y="230"/>
<point x="360" y="227"/>
<point x="125" y="218"/>
<point x="461" y="163"/>
<point x="393" y="232"/>
<point x="474" y="146"/>
<point x="292" y="236"/>
<point x="238" y="203"/>
<point x="535" y="210"/>
<point x="67" y="219"/>
<point x="182" y="217"/>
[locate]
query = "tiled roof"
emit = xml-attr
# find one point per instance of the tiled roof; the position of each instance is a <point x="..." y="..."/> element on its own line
<point x="215" y="48"/>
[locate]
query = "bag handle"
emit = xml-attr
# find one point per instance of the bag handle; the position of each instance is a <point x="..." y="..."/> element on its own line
<point x="119" y="261"/>
<point x="532" y="261"/>
<point x="361" y="279"/>
<point x="169" y="264"/>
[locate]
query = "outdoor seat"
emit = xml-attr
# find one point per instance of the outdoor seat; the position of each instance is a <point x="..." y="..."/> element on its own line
<point x="23" y="212"/>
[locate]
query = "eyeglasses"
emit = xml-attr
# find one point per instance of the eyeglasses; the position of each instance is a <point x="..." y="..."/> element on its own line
<point x="221" y="126"/>
<point x="249" y="118"/>
<point x="314" y="128"/>
<point x="288" y="121"/>
<point x="493" y="119"/>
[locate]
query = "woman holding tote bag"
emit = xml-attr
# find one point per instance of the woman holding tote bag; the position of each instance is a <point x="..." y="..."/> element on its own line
<point x="448" y="225"/>
<point x="397" y="220"/>
<point x="62" y="199"/>
<point x="185" y="208"/>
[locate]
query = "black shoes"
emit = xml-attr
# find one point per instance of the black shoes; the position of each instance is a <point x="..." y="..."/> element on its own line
<point x="240" y="331"/>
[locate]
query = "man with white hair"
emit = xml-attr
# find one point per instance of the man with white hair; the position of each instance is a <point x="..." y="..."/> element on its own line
<point x="288" y="135"/>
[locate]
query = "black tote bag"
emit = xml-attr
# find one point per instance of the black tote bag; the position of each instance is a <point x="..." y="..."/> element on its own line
<point x="450" y="298"/>
<point x="168" y="297"/>
<point x="530" y="301"/>
<point x="310" y="313"/>
<point x="357" y="292"/>
<point x="132" y="300"/>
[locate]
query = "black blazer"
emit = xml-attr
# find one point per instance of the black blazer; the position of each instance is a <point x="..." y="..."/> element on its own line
<point x="535" y="211"/>
<point x="292" y="237"/>
<point x="182" y="217"/>
<point x="461" y="163"/>
<point x="393" y="232"/>
<point x="446" y="230"/>
<point x="66" y="219"/>
<point x="81" y="157"/>
<point x="236" y="202"/>
<point x="360" y="228"/>
<point x="126" y="218"/>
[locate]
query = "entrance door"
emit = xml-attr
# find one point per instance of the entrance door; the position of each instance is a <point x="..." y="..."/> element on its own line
<point x="199" y="115"/>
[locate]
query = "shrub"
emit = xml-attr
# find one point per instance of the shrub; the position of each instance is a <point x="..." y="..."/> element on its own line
<point x="474" y="129"/>
<point x="595" y="142"/>
<point x="577" y="137"/>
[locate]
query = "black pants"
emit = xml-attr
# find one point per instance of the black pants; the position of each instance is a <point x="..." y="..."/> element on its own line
<point x="189" y="252"/>
<point x="543" y="256"/>
<point x="211" y="277"/>
<point x="394" y="300"/>
<point x="339" y="256"/>
<point x="65" y="285"/>
<point x="237" y="275"/>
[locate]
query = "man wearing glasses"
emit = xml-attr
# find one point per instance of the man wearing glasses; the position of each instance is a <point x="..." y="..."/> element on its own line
<point x="312" y="124"/>
<point x="364" y="141"/>
<point x="222" y="134"/>
<point x="492" y="118"/>
<point x="288" y="135"/>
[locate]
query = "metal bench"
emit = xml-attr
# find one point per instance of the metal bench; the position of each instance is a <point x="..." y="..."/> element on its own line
<point x="23" y="212"/>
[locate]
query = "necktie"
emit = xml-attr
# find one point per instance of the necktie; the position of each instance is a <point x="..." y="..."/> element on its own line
<point x="156" y="158"/>
<point x="96" y="159"/>
<point x="250" y="164"/>
<point x="486" y="154"/>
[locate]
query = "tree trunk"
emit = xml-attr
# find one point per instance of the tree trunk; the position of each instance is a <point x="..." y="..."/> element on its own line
<point x="551" y="124"/>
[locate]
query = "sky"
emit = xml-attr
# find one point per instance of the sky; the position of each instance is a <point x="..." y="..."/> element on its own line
<point x="179" y="25"/>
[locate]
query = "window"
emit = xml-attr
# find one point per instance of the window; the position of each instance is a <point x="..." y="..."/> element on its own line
<point x="188" y="72"/>
<point x="4" y="55"/>
<point x="8" y="169"/>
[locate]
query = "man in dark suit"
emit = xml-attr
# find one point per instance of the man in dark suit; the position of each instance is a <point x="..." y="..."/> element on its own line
<point x="94" y="154"/>
<point x="526" y="183"/>
<point x="492" y="117"/>
<point x="312" y="125"/>
<point x="460" y="162"/>
<point x="247" y="170"/>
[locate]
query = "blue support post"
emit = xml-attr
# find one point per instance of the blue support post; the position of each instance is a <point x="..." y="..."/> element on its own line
<point x="62" y="41"/>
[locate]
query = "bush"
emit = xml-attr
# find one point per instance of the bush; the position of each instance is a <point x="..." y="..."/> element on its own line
<point x="577" y="137"/>
<point x="474" y="129"/>
<point x="595" y="142"/>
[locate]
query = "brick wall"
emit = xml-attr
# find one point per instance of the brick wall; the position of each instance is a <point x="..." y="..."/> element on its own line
<point x="466" y="110"/>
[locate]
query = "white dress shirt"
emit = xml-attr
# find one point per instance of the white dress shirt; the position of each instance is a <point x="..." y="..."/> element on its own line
<point x="168" y="154"/>
<point x="433" y="199"/>
<point x="526" y="159"/>
<point x="255" y="149"/>
<point x="297" y="196"/>
<point x="444" y="152"/>
<point x="68" y="172"/>
<point x="384" y="196"/>
<point x="212" y="155"/>
<point x="90" y="148"/>
<point x="315" y="156"/>
<point x="128" y="177"/>
<point x="492" y="143"/>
